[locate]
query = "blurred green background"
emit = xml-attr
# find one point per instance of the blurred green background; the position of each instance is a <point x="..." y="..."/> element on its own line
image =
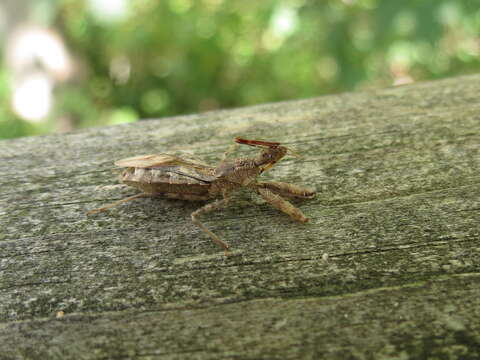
<point x="70" y="64"/>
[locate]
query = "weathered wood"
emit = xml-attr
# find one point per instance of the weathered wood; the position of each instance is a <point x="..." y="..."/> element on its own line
<point x="387" y="268"/>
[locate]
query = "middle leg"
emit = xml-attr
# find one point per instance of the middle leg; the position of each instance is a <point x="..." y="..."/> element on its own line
<point x="208" y="208"/>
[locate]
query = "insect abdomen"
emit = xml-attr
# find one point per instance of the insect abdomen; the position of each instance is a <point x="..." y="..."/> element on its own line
<point x="162" y="181"/>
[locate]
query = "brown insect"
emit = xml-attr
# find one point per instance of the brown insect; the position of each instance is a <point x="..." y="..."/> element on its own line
<point x="189" y="179"/>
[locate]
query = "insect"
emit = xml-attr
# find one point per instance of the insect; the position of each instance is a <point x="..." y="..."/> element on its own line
<point x="189" y="179"/>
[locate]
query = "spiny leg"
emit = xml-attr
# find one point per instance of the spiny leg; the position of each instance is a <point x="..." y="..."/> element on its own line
<point x="106" y="207"/>
<point x="281" y="204"/>
<point x="286" y="189"/>
<point x="205" y="209"/>
<point x="230" y="149"/>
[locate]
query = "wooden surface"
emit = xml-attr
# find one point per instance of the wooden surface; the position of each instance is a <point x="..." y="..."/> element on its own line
<point x="387" y="268"/>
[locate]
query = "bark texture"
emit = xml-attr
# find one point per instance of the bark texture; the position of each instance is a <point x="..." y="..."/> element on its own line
<point x="388" y="267"/>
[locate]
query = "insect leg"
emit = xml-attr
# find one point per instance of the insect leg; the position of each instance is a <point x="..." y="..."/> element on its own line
<point x="285" y="189"/>
<point x="281" y="204"/>
<point x="106" y="207"/>
<point x="230" y="149"/>
<point x="205" y="209"/>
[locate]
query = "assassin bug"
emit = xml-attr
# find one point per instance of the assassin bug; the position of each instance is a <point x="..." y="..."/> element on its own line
<point x="189" y="179"/>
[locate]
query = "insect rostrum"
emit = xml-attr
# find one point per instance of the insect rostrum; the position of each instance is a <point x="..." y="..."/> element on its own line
<point x="181" y="178"/>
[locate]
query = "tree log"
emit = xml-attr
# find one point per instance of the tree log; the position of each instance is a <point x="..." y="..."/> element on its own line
<point x="388" y="267"/>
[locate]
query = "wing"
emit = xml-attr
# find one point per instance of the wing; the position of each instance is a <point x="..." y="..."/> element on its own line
<point x="158" y="160"/>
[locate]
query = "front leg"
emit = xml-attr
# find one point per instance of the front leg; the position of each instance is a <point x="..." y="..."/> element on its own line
<point x="205" y="209"/>
<point x="281" y="204"/>
<point x="230" y="149"/>
<point x="286" y="189"/>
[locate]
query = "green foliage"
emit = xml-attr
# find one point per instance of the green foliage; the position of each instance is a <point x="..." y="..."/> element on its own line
<point x="182" y="56"/>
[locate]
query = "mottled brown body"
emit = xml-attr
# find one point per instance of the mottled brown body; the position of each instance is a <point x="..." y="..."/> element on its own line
<point x="189" y="179"/>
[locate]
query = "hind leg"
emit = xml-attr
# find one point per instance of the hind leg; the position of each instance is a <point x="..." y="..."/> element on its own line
<point x="106" y="207"/>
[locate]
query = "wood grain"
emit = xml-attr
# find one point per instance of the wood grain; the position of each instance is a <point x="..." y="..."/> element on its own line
<point x="387" y="268"/>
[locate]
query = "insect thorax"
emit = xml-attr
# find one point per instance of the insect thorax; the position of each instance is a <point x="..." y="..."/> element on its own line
<point x="240" y="171"/>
